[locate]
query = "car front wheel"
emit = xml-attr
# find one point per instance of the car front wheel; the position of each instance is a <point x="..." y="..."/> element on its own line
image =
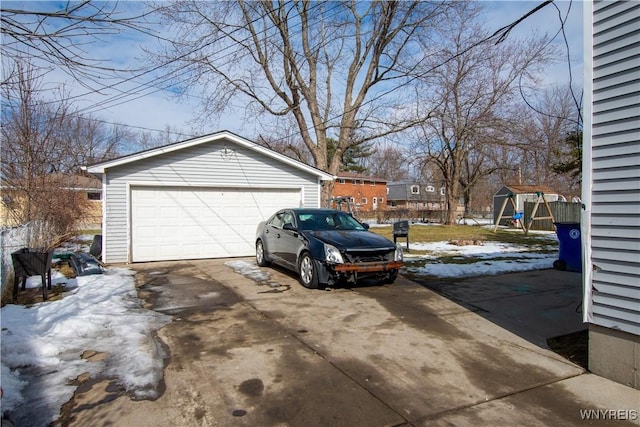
<point x="307" y="271"/>
<point x="393" y="275"/>
<point x="261" y="259"/>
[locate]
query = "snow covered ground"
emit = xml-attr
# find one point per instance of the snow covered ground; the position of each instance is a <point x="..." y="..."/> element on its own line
<point x="448" y="260"/>
<point x="45" y="347"/>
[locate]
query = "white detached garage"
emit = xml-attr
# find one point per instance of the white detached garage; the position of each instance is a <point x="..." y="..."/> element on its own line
<point x="200" y="198"/>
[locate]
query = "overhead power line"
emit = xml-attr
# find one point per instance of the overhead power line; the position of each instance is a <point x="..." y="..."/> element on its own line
<point x="501" y="35"/>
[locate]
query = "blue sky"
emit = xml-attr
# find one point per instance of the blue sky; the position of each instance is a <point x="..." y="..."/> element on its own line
<point x="147" y="102"/>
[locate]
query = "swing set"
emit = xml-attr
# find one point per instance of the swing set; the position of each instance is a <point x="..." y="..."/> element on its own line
<point x="518" y="217"/>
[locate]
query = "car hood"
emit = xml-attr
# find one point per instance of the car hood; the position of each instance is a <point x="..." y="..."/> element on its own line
<point x="352" y="239"/>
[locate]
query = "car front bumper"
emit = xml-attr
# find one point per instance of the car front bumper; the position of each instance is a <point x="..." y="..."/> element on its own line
<point x="368" y="267"/>
<point x="330" y="274"/>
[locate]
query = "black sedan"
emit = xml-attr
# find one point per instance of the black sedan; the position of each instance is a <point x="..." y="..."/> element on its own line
<point x="326" y="247"/>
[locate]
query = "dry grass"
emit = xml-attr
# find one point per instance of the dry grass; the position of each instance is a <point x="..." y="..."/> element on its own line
<point x="445" y="233"/>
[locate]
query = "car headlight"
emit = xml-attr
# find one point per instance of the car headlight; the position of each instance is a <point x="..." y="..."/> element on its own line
<point x="397" y="256"/>
<point x="332" y="255"/>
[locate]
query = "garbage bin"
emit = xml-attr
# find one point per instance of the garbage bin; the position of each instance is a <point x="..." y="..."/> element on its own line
<point x="569" y="245"/>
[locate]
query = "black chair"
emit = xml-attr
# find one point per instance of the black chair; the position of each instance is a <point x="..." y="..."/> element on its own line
<point x="31" y="262"/>
<point x="96" y="246"/>
<point x="401" y="229"/>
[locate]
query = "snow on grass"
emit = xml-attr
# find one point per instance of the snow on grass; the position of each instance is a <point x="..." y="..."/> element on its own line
<point x="447" y="260"/>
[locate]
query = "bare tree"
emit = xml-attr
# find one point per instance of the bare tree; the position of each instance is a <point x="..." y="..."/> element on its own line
<point x="333" y="66"/>
<point x="550" y="120"/>
<point x="148" y="140"/>
<point x="476" y="166"/>
<point x="31" y="127"/>
<point x="288" y="145"/>
<point x="60" y="34"/>
<point x="43" y="142"/>
<point x="472" y="91"/>
<point x="390" y="163"/>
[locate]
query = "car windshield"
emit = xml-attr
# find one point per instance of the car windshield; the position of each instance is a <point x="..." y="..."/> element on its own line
<point x="328" y="221"/>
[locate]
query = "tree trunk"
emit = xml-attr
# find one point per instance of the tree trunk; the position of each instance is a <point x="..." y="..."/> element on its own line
<point x="452" y="208"/>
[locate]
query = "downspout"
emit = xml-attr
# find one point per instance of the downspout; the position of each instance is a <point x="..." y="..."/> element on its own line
<point x="587" y="163"/>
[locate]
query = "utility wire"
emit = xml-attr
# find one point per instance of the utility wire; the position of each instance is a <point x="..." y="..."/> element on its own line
<point x="568" y="50"/>
<point x="166" y="77"/>
<point x="501" y="35"/>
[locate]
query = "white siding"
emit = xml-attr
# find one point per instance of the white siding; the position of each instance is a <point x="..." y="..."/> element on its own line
<point x="615" y="167"/>
<point x="203" y="165"/>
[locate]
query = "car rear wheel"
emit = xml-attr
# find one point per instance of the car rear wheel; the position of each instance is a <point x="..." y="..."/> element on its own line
<point x="261" y="258"/>
<point x="307" y="271"/>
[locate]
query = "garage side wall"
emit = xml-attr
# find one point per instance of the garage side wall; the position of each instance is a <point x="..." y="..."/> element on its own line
<point x="216" y="164"/>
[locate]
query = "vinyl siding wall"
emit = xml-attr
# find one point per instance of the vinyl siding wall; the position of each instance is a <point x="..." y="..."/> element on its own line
<point x="615" y="166"/>
<point x="199" y="166"/>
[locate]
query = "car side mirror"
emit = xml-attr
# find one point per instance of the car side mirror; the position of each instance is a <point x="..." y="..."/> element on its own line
<point x="365" y="225"/>
<point x="288" y="226"/>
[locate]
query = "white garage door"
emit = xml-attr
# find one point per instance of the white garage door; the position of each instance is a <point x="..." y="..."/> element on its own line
<point x="172" y="223"/>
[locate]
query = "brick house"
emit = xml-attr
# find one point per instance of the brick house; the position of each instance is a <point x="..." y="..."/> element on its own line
<point x="365" y="193"/>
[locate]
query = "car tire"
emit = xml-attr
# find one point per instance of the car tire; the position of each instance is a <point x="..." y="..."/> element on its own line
<point x="393" y="275"/>
<point x="261" y="256"/>
<point x="307" y="271"/>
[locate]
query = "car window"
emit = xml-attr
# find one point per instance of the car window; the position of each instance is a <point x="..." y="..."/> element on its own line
<point x="307" y="221"/>
<point x="343" y="221"/>
<point x="287" y="218"/>
<point x="277" y="220"/>
<point x="328" y="221"/>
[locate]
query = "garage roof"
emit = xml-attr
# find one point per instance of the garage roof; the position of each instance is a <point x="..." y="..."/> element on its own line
<point x="527" y="189"/>
<point x="100" y="168"/>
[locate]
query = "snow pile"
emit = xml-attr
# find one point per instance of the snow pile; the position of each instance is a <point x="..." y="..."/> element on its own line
<point x="45" y="344"/>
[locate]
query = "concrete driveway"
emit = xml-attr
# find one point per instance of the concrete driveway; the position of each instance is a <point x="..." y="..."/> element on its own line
<point x="272" y="353"/>
<point x="535" y="305"/>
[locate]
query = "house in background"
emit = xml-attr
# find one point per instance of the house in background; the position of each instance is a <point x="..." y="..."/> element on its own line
<point x="414" y="196"/>
<point x="13" y="198"/>
<point x="611" y="189"/>
<point x="365" y="193"/>
<point x="199" y="198"/>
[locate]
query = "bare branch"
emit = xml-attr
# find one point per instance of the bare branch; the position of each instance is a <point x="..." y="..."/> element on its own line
<point x="63" y="37"/>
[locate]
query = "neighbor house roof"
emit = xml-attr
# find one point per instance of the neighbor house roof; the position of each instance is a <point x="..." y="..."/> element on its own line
<point x="60" y="180"/>
<point x="402" y="191"/>
<point x="100" y="168"/>
<point x="352" y="175"/>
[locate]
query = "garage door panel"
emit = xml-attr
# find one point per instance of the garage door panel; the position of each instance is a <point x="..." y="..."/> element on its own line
<point x="147" y="232"/>
<point x="167" y="211"/>
<point x="172" y="223"/>
<point x="146" y="213"/>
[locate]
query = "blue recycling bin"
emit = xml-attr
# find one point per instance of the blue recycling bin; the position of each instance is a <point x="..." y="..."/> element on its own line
<point x="570" y="246"/>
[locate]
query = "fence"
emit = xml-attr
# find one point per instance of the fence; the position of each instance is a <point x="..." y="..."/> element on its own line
<point x="388" y="216"/>
<point x="562" y="212"/>
<point x="12" y="239"/>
